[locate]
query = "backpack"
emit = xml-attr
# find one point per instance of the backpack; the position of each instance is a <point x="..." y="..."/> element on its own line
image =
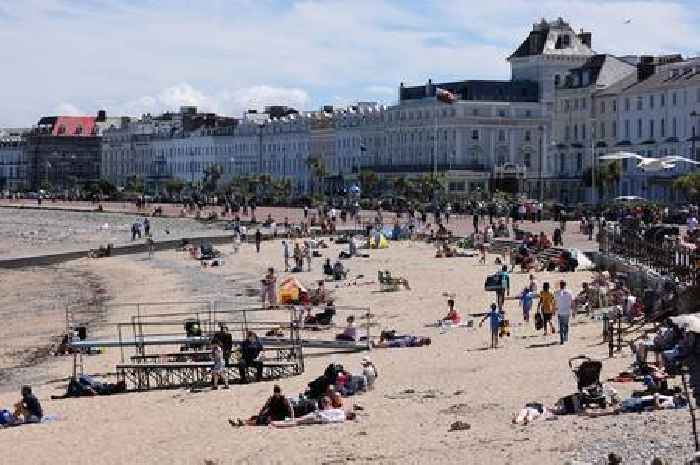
<point x="539" y="322"/>
<point x="5" y="417"/>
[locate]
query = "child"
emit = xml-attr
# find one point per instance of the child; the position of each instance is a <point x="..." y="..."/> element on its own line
<point x="494" y="323"/>
<point x="452" y="317"/>
<point x="482" y="250"/>
<point x="218" y="371"/>
<point x="526" y="298"/>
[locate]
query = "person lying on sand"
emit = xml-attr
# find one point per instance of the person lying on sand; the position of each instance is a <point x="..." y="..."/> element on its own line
<point x="277" y="408"/>
<point x="325" y="415"/>
<point x="401" y="341"/>
<point x="531" y="412"/>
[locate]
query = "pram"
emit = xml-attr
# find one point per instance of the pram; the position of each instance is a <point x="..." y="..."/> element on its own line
<point x="587" y="373"/>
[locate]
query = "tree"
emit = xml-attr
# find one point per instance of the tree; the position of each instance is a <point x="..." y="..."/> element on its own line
<point x="318" y="173"/>
<point x="429" y="186"/>
<point x="368" y="181"/>
<point x="689" y="184"/>
<point x="134" y="184"/>
<point x="607" y="176"/>
<point x="212" y="174"/>
<point x="174" y="186"/>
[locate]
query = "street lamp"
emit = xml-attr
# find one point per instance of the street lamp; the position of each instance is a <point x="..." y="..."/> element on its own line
<point x="541" y="160"/>
<point x="694" y="116"/>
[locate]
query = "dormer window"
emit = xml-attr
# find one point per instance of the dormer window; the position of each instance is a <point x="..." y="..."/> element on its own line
<point x="61" y="130"/>
<point x="78" y="130"/>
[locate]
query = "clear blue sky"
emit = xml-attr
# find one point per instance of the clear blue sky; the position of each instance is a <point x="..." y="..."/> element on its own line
<point x="134" y="56"/>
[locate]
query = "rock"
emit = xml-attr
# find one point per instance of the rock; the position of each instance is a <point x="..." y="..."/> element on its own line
<point x="460" y="426"/>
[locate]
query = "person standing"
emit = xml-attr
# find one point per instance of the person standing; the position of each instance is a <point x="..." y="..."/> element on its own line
<point x="146" y="227"/>
<point x="269" y="283"/>
<point x="306" y="253"/>
<point x="285" y="252"/>
<point x="546" y="307"/>
<point x="564" y="302"/>
<point x="250" y="350"/>
<point x="258" y="240"/>
<point x="218" y="371"/>
<point x="494" y="317"/>
<point x="526" y="298"/>
<point x="475" y="219"/>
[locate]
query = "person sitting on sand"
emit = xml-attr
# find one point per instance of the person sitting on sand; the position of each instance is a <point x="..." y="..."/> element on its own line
<point x="28" y="410"/>
<point x="324" y="318"/>
<point x="369" y="372"/>
<point x="452" y="316"/>
<point x="339" y="272"/>
<point x="328" y="268"/>
<point x="277" y="408"/>
<point x="350" y="331"/>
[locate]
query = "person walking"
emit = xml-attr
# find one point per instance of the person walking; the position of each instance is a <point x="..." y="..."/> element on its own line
<point x="475" y="220"/>
<point x="258" y="240"/>
<point x="564" y="302"/>
<point x="285" y="252"/>
<point x="545" y="307"/>
<point x="504" y="289"/>
<point x="269" y="283"/>
<point x="306" y="253"/>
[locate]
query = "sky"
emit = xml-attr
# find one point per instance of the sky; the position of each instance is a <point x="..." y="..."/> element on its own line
<point x="129" y="57"/>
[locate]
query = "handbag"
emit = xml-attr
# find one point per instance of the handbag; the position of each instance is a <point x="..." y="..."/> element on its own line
<point x="539" y="321"/>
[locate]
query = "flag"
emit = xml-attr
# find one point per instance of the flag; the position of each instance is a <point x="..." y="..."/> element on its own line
<point x="445" y="96"/>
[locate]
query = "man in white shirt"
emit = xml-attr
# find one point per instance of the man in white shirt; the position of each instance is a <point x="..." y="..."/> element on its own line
<point x="692" y="224"/>
<point x="563" y="303"/>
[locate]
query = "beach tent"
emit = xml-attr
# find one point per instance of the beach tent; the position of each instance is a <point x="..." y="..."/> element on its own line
<point x="289" y="289"/>
<point x="378" y="241"/>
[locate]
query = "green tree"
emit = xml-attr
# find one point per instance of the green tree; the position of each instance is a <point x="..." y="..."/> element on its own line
<point x="318" y="173"/>
<point x="689" y="184"/>
<point x="174" y="186"/>
<point x="212" y="175"/>
<point x="134" y="184"/>
<point x="368" y="181"/>
<point x="607" y="175"/>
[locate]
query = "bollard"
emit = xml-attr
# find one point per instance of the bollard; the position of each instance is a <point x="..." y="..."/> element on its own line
<point x="605" y="327"/>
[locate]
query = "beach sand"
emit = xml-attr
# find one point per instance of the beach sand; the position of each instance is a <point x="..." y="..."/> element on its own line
<point x="406" y="419"/>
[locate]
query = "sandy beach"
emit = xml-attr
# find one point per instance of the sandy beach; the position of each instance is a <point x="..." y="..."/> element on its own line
<point x="405" y="419"/>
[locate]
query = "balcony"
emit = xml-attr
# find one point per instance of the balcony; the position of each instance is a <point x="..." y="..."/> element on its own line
<point x="426" y="167"/>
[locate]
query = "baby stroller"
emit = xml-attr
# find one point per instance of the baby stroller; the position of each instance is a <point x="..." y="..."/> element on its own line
<point x="587" y="373"/>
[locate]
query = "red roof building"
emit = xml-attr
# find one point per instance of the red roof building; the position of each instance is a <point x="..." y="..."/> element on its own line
<point x="74" y="126"/>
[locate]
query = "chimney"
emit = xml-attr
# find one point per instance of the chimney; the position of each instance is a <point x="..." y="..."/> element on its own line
<point x="586" y="38"/>
<point x="429" y="88"/>
<point x="101" y="116"/>
<point x="645" y="68"/>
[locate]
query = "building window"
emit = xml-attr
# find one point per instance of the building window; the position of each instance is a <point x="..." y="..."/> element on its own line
<point x="475" y="134"/>
<point x="674" y="127"/>
<point x="583" y="131"/>
<point x="674" y="99"/>
<point x="627" y="129"/>
<point x="651" y="128"/>
<point x="61" y="130"/>
<point x="662" y="100"/>
<point x="501" y="135"/>
<point x="575" y="131"/>
<point x="575" y="104"/>
<point x="614" y="105"/>
<point x="528" y="113"/>
<point x="567" y="131"/>
<point x="527" y="159"/>
<point x="640" y="103"/>
<point x="627" y="104"/>
<point x="614" y="128"/>
<point x="528" y="136"/>
<point x="579" y="163"/>
<point x="475" y="112"/>
<point x="602" y="130"/>
<point x="557" y="80"/>
<point x="639" y="128"/>
<point x="583" y="103"/>
<point x="651" y="101"/>
<point x="602" y="107"/>
<point x="502" y="113"/>
<point x="663" y="127"/>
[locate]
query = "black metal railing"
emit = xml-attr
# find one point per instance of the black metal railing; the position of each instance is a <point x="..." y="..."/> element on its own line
<point x="665" y="255"/>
